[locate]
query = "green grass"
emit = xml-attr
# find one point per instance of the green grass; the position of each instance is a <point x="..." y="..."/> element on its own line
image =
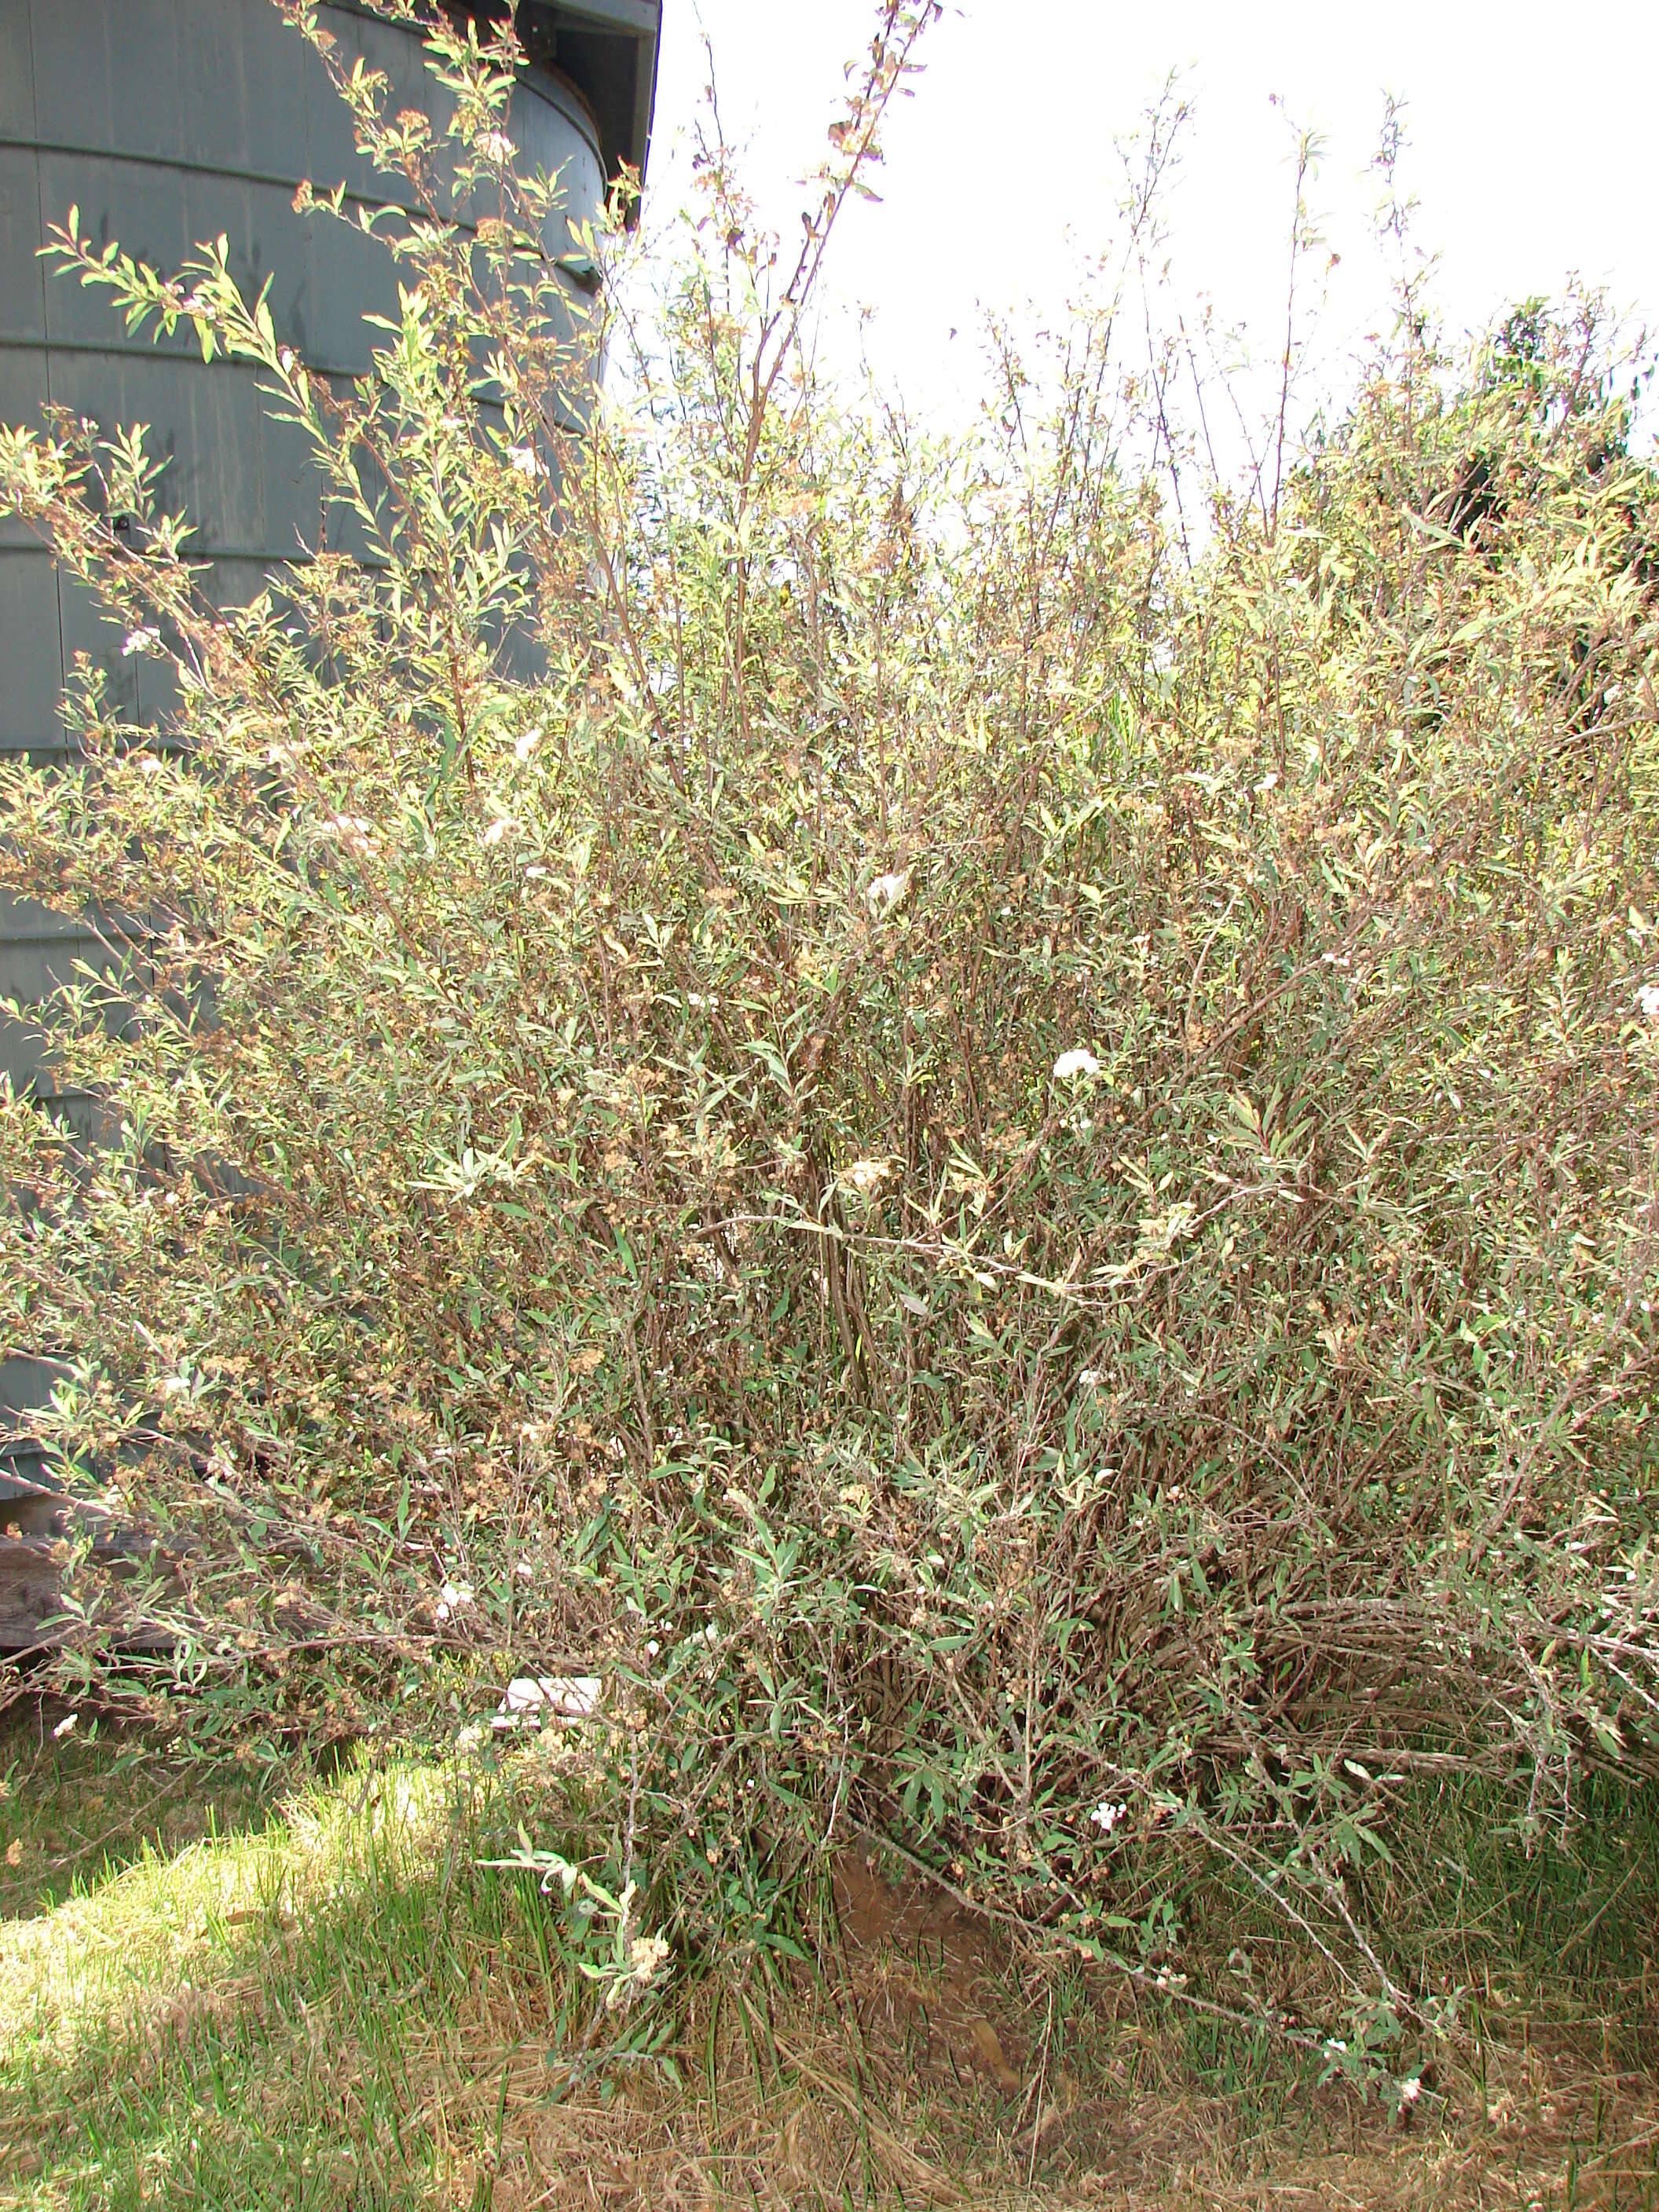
<point x="218" y="1991"/>
<point x="1562" y="1925"/>
<point x="75" y="1809"/>
<point x="1566" y="1923"/>
<point x="287" y="2014"/>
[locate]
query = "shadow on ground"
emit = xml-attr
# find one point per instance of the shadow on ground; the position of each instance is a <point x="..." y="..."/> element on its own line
<point x="338" y="2004"/>
<point x="81" y="1798"/>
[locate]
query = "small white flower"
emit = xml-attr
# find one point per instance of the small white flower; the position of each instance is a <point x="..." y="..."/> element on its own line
<point x="503" y="826"/>
<point x="523" y="460"/>
<point x="146" y="639"/>
<point x="1078" y="1061"/>
<point x="524" y="747"/>
<point x="451" y="1598"/>
<point x="1411" y="2089"/>
<point x="1107" y="1815"/>
<point x="66" y="1727"/>
<point x="1648" y="998"/>
<point x="652" y="1649"/>
<point x="355" y="831"/>
<point x="867" y="1175"/>
<point x="1088" y="1379"/>
<point x="647" y="1955"/>
<point x="885" y="892"/>
<point x="497" y="146"/>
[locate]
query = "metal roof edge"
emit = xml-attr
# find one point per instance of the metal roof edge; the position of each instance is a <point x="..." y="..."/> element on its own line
<point x="640" y="20"/>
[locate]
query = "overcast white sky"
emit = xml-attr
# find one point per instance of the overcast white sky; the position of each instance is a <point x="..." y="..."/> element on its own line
<point x="1532" y="153"/>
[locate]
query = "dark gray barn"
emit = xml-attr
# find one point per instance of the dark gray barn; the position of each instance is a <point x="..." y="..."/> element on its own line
<point x="169" y="122"/>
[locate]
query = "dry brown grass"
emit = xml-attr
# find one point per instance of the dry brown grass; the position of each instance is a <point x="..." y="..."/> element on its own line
<point x="374" y="2014"/>
<point x="919" y="2069"/>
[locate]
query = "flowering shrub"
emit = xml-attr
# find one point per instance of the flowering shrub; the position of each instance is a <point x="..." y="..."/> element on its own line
<point x="991" y="1152"/>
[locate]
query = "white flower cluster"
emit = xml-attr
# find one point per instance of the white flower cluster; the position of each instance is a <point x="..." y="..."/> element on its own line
<point x="1107" y="1815"/>
<point x="647" y="1956"/>
<point x="452" y="1597"/>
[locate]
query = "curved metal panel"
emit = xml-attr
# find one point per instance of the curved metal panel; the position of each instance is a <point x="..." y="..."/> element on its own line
<point x="169" y="122"/>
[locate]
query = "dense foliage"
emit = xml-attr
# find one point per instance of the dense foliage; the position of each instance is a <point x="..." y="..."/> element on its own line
<point x="987" y="1139"/>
